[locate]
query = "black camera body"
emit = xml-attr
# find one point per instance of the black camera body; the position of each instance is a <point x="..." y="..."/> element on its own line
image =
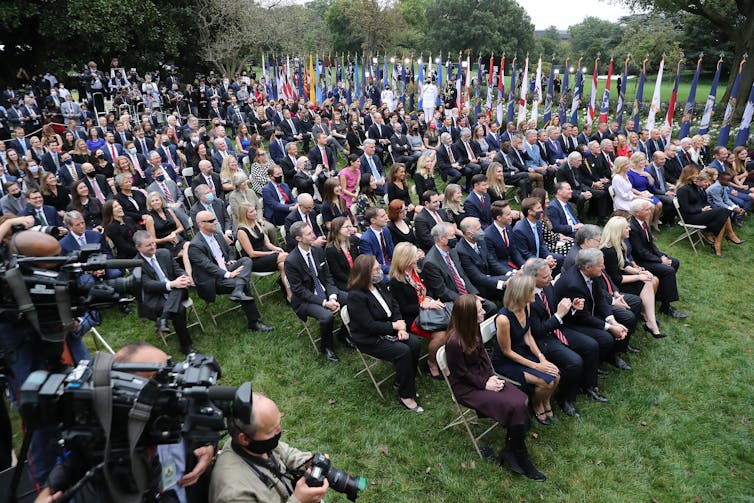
<point x="340" y="481"/>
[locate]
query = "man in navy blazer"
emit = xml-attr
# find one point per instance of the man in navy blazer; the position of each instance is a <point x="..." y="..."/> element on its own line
<point x="43" y="214"/>
<point x="316" y="157"/>
<point x="484" y="271"/>
<point x="277" y="197"/>
<point x="277" y="147"/>
<point x="561" y="215"/>
<point x="498" y="236"/>
<point x="79" y="237"/>
<point x="109" y="146"/>
<point x="447" y="159"/>
<point x="69" y="171"/>
<point x="371" y="164"/>
<point x="528" y="238"/>
<point x="307" y="214"/>
<point x="20" y="143"/>
<point x="478" y="203"/>
<point x="493" y="137"/>
<point x="376" y="240"/>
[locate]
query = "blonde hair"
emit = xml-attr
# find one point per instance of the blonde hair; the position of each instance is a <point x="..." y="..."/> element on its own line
<point x="450" y="190"/>
<point x="421" y="166"/>
<point x="404" y="255"/>
<point x="225" y="172"/>
<point x="492" y="179"/>
<point x="518" y="292"/>
<point x="612" y="237"/>
<point x="620" y="164"/>
<point x="635" y="159"/>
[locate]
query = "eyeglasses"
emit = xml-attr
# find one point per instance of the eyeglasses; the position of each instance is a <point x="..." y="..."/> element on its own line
<point x="212" y="221"/>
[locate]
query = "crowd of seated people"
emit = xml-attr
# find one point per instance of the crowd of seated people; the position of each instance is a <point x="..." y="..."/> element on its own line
<point x="359" y="237"/>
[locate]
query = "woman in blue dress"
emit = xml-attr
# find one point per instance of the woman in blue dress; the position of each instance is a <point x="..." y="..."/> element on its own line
<point x="642" y="185"/>
<point x="516" y="354"/>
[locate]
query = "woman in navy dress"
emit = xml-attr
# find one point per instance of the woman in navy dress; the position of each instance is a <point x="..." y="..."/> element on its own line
<point x="516" y="354"/>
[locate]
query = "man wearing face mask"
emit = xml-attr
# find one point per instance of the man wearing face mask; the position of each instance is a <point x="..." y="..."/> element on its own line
<point x="69" y="173"/>
<point x="97" y="184"/>
<point x="528" y="239"/>
<point x="482" y="268"/>
<point x="14" y="200"/>
<point x="206" y="201"/>
<point x="278" y="199"/>
<point x="253" y="464"/>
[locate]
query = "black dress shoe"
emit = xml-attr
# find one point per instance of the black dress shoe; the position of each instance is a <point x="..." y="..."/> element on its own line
<point x="595" y="395"/>
<point x="188" y="350"/>
<point x="507" y="459"/>
<point x="601" y="372"/>
<point x="617" y="361"/>
<point x="240" y="297"/>
<point x="258" y="326"/>
<point x="330" y="355"/>
<point x="163" y="326"/>
<point x="632" y="349"/>
<point x="569" y="408"/>
<point x="671" y="311"/>
<point x="126" y="309"/>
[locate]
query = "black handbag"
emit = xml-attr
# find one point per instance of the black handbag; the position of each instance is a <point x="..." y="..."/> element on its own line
<point x="432" y="320"/>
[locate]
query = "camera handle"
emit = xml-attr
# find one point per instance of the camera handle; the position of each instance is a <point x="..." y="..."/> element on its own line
<point x="20" y="463"/>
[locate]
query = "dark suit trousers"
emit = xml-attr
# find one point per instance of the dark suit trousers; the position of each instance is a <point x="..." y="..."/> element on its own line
<point x="404" y="355"/>
<point x="228" y="285"/>
<point x="174" y="310"/>
<point x="604" y="339"/>
<point x="668" y="289"/>
<point x="589" y="351"/>
<point x="325" y="317"/>
<point x="668" y="210"/>
<point x="569" y="363"/>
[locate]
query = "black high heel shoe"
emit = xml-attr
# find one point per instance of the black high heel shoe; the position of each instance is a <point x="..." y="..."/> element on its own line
<point x="658" y="335"/>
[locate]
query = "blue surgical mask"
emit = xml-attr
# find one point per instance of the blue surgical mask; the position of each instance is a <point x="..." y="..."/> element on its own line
<point x="210" y="197"/>
<point x="34" y="169"/>
<point x="132" y="150"/>
<point x="378" y="277"/>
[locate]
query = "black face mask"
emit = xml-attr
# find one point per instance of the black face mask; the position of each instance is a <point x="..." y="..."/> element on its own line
<point x="91" y="174"/>
<point x="278" y="179"/>
<point x="18" y="195"/>
<point x="263" y="446"/>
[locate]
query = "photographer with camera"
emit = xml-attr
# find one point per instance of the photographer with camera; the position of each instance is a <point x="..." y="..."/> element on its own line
<point x="255" y="466"/>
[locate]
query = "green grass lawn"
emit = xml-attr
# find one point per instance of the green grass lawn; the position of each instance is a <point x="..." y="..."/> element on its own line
<point x="677" y="428"/>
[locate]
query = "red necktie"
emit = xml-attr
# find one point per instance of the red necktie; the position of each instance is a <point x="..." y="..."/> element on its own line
<point x="437" y="217"/>
<point x="325" y="160"/>
<point x="607" y="282"/>
<point x="457" y="279"/>
<point x="470" y="152"/>
<point x="558" y="333"/>
<point x="646" y="231"/>
<point x="383" y="245"/>
<point x="113" y="153"/>
<point x="283" y="194"/>
<point x="481" y="199"/>
<point x="505" y="238"/>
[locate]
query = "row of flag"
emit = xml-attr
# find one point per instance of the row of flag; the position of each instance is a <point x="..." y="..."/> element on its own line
<point x="350" y="78"/>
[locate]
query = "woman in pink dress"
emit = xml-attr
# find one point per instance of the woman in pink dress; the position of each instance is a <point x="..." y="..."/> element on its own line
<point x="349" y="180"/>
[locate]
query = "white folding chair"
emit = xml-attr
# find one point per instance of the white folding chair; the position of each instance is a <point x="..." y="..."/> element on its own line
<point x="189" y="194"/>
<point x="188" y="304"/>
<point x="489" y="332"/>
<point x="255" y="277"/>
<point x="187" y="173"/>
<point x="98" y="339"/>
<point x="368" y="361"/>
<point x="466" y="416"/>
<point x="690" y="231"/>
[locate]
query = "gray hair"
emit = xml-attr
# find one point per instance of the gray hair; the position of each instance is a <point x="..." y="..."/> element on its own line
<point x="465" y="131"/>
<point x="445" y="138"/>
<point x="638" y="205"/>
<point x="588" y="257"/>
<point x="201" y="189"/>
<point x="71" y="216"/>
<point x="530" y="133"/>
<point x="587" y="232"/>
<point x="120" y="177"/>
<point x="604" y="143"/>
<point x="467" y="223"/>
<point x="140" y="236"/>
<point x="532" y="266"/>
<point x="290" y="146"/>
<point x="239" y="177"/>
<point x="304" y="198"/>
<point x="297" y="229"/>
<point x="369" y="142"/>
<point x="574" y="156"/>
<point x="440" y="230"/>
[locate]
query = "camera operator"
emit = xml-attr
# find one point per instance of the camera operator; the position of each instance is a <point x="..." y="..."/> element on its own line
<point x="95" y="84"/>
<point x="176" y="485"/>
<point x="253" y="464"/>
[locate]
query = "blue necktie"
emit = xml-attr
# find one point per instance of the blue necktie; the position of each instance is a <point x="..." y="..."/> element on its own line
<point x="570" y="214"/>
<point x="536" y="239"/>
<point x="157" y="270"/>
<point x="318" y="288"/>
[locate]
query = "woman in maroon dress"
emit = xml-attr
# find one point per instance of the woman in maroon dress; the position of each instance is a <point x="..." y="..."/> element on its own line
<point x="476" y="385"/>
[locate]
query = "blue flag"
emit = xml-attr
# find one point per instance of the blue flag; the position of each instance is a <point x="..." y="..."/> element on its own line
<point x="578" y="95"/>
<point x="547" y="115"/>
<point x="639" y="95"/>
<point x="709" y="106"/>
<point x="688" y="111"/>
<point x="743" y="133"/>
<point x="564" y="92"/>
<point x="722" y="138"/>
<point x="512" y="93"/>
<point x="622" y="94"/>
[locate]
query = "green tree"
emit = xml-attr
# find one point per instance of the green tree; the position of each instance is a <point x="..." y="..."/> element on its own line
<point x="592" y="36"/>
<point x="482" y="26"/>
<point x="548" y="43"/>
<point x="365" y="26"/>
<point x="414" y="13"/>
<point x="651" y="37"/>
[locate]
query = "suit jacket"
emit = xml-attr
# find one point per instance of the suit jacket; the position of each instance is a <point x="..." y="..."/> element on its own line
<point x="558" y="219"/>
<point x="643" y="250"/>
<point x="49" y="212"/>
<point x="674" y="166"/>
<point x="543" y="324"/>
<point x="140" y="148"/>
<point x="277" y="152"/>
<point x="65" y="177"/>
<point x="302" y="281"/>
<point x="383" y="132"/>
<point x="315" y="157"/>
<point x="108" y="155"/>
<point x="15" y="144"/>
<point x="439" y="280"/>
<point x="338" y="263"/>
<point x="566" y="173"/>
<point x="555" y="151"/>
<point x="370" y="245"/>
<point x="103" y="185"/>
<point x="582" y="139"/>
<point x="176" y="193"/>
<point x="652" y="170"/>
<point x="571" y="284"/>
<point x="119" y="137"/>
<point x="368" y="318"/>
<point x="205" y="269"/>
<point x="364" y="165"/>
<point x="523" y="239"/>
<point x="423" y="224"/>
<point x="275" y="211"/>
<point x="482" y="268"/>
<point x="221" y="214"/>
<point x="289" y="168"/>
<point x="48" y="162"/>
<point x="295" y="216"/>
<point x="173" y="154"/>
<point x="464" y="158"/>
<point x="507" y="256"/>
<point x="216" y="183"/>
<point x="288" y="132"/>
<point x="12" y="206"/>
<point x="217" y="160"/>
<point x="718" y="196"/>
<point x="601" y="166"/>
<point x="443" y="160"/>
<point x="474" y="208"/>
<point x="69" y="243"/>
<point x="493" y="141"/>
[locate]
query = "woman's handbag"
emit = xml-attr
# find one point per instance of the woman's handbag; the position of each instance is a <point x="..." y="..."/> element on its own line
<point x="433" y="320"/>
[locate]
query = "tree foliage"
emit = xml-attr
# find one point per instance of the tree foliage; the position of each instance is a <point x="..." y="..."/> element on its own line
<point x="367" y="26"/>
<point x="651" y="38"/>
<point x="592" y="36"/>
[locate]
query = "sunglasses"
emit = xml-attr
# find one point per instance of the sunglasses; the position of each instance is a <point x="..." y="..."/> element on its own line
<point x="212" y="221"/>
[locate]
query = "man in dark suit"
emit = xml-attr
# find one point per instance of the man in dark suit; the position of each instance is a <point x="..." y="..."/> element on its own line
<point x="69" y="171"/>
<point x="277" y="196"/>
<point x="576" y="355"/>
<point x="278" y="146"/>
<point x="497" y="237"/>
<point x="591" y="313"/>
<point x="43" y="214"/>
<point x="662" y="188"/>
<point x="514" y="170"/>
<point x="584" y="137"/>
<point x="376" y="240"/>
<point x="293" y="130"/>
<point x="215" y="273"/>
<point x="478" y="203"/>
<point x="97" y="184"/>
<point x="601" y="133"/>
<point x="220" y="153"/>
<point x="122" y="135"/>
<point x="555" y="152"/>
<point x="143" y="144"/>
<point x="494" y="141"/>
<point x="443" y="274"/>
<point x="370" y="164"/>
<point x="380" y="133"/>
<point x="647" y="255"/>
<point x="562" y="217"/>
<point x="287" y="162"/>
<point x="528" y="238"/>
<point x="208" y="177"/>
<point x="20" y="143"/>
<point x="314" y="293"/>
<point x="111" y="149"/>
<point x="447" y="159"/>
<point x="675" y="161"/>
<point x="164" y="287"/>
<point x="449" y="127"/>
<point x="428" y="218"/>
<point x="570" y="173"/>
<point x="307" y="214"/>
<point x="322" y="155"/>
<point x="482" y="268"/>
<point x="78" y="238"/>
<point x="206" y="201"/>
<point x="469" y="156"/>
<point x="50" y="162"/>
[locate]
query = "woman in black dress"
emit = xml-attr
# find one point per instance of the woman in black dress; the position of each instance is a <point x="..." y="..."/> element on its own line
<point x="341" y="250"/>
<point x="355" y="137"/>
<point x="695" y="209"/>
<point x="399" y="224"/>
<point x="475" y="384"/>
<point x="254" y="243"/>
<point x="397" y="187"/>
<point x="516" y="354"/>
<point x="167" y="229"/>
<point x="54" y="195"/>
<point x="424" y="178"/>
<point x="119" y="229"/>
<point x="88" y="206"/>
<point x="133" y="202"/>
<point x="378" y="329"/>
